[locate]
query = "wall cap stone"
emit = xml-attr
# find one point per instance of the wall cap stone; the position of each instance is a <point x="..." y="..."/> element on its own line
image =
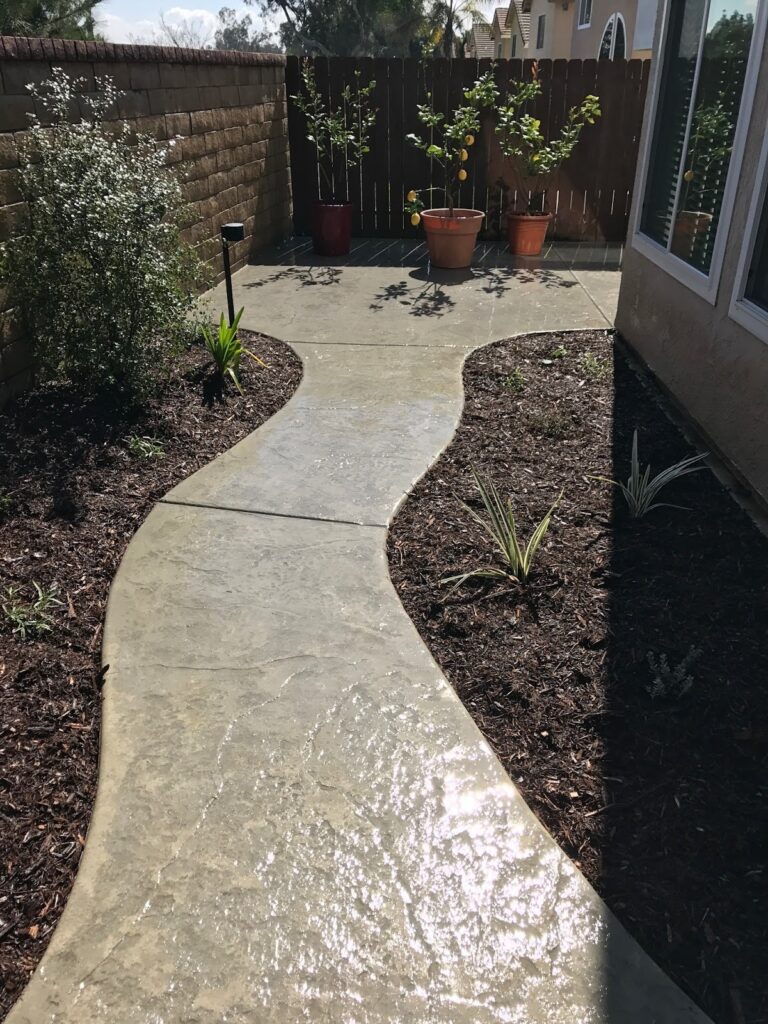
<point x="23" y="48"/>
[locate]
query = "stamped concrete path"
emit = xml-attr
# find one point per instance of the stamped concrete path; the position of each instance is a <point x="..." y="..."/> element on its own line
<point x="296" y="819"/>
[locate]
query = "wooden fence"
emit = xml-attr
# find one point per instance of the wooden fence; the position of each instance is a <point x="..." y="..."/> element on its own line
<point x="590" y="196"/>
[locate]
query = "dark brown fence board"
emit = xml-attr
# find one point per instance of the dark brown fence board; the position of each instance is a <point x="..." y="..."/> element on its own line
<point x="589" y="195"/>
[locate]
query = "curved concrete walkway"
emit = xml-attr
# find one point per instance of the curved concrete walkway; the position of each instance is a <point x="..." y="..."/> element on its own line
<point x="296" y="819"/>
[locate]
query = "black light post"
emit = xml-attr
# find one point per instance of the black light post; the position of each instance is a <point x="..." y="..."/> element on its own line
<point x="234" y="232"/>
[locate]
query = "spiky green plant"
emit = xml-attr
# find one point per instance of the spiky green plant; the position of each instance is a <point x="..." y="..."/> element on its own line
<point x="641" y="489"/>
<point x="30" y="617"/>
<point x="502" y="528"/>
<point x="145" y="447"/>
<point x="227" y="350"/>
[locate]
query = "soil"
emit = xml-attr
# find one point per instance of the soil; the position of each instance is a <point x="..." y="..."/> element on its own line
<point x="72" y="493"/>
<point x="661" y="801"/>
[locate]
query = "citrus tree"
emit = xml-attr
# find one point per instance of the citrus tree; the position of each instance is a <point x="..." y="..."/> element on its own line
<point x="532" y="158"/>
<point x="446" y="142"/>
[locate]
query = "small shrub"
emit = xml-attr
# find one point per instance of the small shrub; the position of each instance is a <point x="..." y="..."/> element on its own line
<point x="559" y="352"/>
<point x="671" y="682"/>
<point x="641" y="489"/>
<point x="30" y="618"/>
<point x="502" y="528"/>
<point x="595" y="367"/>
<point x="554" y="425"/>
<point x="515" y="381"/>
<point x="103" y="281"/>
<point x="145" y="447"/>
<point x="227" y="350"/>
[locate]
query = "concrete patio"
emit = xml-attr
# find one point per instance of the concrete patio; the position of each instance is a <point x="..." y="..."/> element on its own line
<point x="296" y="819"/>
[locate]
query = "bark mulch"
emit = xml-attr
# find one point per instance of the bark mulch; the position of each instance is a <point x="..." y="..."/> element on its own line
<point x="72" y="494"/>
<point x="660" y="801"/>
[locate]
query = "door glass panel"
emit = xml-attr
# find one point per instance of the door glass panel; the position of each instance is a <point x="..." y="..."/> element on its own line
<point x="757" y="279"/>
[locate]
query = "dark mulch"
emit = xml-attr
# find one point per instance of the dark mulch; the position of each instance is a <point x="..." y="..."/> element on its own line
<point x="660" y="802"/>
<point x="77" y="495"/>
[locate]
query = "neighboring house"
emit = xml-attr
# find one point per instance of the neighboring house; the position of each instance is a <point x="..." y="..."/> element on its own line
<point x="518" y="23"/>
<point x="480" y="43"/>
<point x="584" y="29"/>
<point x="500" y="33"/>
<point x="694" y="290"/>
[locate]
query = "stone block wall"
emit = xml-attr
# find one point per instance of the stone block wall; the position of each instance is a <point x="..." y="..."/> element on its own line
<point x="228" y="110"/>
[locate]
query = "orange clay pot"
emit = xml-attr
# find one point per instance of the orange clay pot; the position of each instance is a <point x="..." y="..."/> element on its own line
<point x="526" y="232"/>
<point x="451" y="240"/>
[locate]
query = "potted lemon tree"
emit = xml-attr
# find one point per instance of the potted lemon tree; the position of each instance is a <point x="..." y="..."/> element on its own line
<point x="340" y="136"/>
<point x="532" y="160"/>
<point x="451" y="229"/>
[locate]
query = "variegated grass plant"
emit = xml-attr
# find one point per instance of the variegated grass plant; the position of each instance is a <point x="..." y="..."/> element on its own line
<point x="501" y="527"/>
<point x="641" y="489"/>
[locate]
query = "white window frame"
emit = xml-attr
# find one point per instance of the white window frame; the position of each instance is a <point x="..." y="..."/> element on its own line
<point x="745" y="313"/>
<point x="704" y="285"/>
<point x="541" y="31"/>
<point x="615" y="17"/>
<point x="584" y="5"/>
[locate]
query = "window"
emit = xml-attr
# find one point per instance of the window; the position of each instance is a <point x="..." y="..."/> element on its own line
<point x="540" y="25"/>
<point x="613" y="45"/>
<point x="749" y="306"/>
<point x="585" y="13"/>
<point x="701" y="82"/>
<point x="514" y="45"/>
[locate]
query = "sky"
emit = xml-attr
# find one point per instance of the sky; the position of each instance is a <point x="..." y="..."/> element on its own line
<point x="122" y="21"/>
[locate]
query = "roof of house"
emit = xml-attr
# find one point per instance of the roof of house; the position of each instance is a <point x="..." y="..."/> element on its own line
<point x="523" y="17"/>
<point x="500" y="19"/>
<point x="482" y="41"/>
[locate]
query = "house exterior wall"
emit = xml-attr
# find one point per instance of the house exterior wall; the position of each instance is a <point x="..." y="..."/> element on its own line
<point x="714" y="368"/>
<point x="229" y="110"/>
<point x="558" y="30"/>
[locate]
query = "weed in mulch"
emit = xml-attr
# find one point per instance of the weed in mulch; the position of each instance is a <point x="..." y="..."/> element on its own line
<point x="626" y="690"/>
<point x="78" y="479"/>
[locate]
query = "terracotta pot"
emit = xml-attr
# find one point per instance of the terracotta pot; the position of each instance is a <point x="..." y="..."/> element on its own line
<point x="331" y="228"/>
<point x="526" y="232"/>
<point x="690" y="227"/>
<point x="451" y="240"/>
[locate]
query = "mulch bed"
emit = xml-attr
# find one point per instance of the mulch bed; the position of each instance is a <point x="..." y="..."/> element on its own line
<point x="73" y="494"/>
<point x="661" y="802"/>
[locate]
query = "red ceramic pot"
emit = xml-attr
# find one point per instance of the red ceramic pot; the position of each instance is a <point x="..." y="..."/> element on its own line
<point x="451" y="239"/>
<point x="526" y="232"/>
<point x="331" y="228"/>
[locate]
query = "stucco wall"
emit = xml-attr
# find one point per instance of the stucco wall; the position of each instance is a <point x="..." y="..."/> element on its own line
<point x="557" y="34"/>
<point x="716" y="369"/>
<point x="229" y="109"/>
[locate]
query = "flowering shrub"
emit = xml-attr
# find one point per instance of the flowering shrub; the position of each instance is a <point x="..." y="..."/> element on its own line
<point x="103" y="281"/>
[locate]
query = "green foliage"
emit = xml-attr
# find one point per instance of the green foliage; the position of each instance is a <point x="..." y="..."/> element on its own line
<point x="500" y="525"/>
<point x="104" y="283"/>
<point x="641" y="489"/>
<point x="365" y="28"/>
<point x="595" y="367"/>
<point x="668" y="681"/>
<point x="145" y="447"/>
<point x="227" y="350"/>
<point x="515" y="381"/>
<point x="30" y="617"/>
<point x="233" y="33"/>
<point x="532" y="158"/>
<point x="6" y="504"/>
<point x="709" y="151"/>
<point x="62" y="19"/>
<point x="559" y="352"/>
<point x="341" y="135"/>
<point x="446" y="141"/>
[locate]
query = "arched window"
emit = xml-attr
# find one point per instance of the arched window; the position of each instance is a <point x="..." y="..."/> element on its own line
<point x="613" y="45"/>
